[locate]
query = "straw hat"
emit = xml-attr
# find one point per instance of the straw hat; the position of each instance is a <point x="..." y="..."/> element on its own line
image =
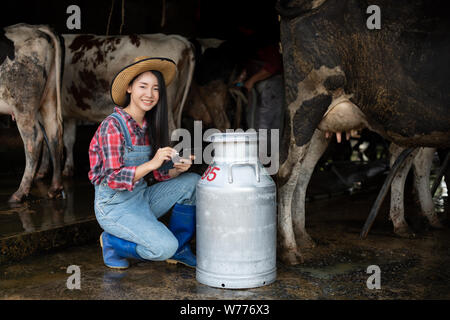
<point x="119" y="84"/>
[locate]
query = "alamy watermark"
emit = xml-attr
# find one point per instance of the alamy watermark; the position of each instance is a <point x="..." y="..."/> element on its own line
<point x="265" y="139"/>
<point x="374" y="281"/>
<point x="374" y="20"/>
<point x="74" y="20"/>
<point x="74" y="281"/>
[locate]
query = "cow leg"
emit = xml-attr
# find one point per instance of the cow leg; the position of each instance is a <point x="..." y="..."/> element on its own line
<point x="422" y="166"/>
<point x="316" y="148"/>
<point x="397" y="210"/>
<point x="44" y="166"/>
<point x="32" y="141"/>
<point x="70" y="131"/>
<point x="54" y="132"/>
<point x="289" y="253"/>
<point x="288" y="245"/>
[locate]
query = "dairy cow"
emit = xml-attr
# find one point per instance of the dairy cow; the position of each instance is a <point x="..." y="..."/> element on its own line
<point x="30" y="61"/>
<point x="340" y="76"/>
<point x="92" y="61"/>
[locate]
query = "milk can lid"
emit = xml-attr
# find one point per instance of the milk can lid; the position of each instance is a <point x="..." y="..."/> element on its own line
<point x="232" y="137"/>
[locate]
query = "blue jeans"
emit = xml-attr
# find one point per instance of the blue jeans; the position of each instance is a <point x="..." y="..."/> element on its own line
<point x="133" y="215"/>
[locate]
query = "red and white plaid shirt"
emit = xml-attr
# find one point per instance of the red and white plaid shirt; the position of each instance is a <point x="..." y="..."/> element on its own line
<point x="107" y="149"/>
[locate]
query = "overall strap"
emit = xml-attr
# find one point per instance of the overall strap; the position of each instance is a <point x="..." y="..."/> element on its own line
<point x="124" y="127"/>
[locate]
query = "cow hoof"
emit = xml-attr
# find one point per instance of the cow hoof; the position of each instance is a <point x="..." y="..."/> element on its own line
<point x="15" y="198"/>
<point x="68" y="172"/>
<point x="291" y="257"/>
<point x="305" y="241"/>
<point x="404" y="232"/>
<point x="55" y="193"/>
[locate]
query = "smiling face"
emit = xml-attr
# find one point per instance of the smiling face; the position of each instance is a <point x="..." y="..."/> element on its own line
<point x="144" y="92"/>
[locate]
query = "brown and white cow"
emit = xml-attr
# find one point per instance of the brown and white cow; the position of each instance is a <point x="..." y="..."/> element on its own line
<point x="30" y="63"/>
<point x="92" y="61"/>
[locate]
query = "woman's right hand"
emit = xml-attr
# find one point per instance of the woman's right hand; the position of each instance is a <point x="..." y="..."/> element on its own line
<point x="161" y="155"/>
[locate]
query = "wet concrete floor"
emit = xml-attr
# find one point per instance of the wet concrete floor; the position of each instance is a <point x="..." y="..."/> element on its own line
<point x="335" y="269"/>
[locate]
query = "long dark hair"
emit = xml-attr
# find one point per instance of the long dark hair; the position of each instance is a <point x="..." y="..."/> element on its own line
<point x="157" y="121"/>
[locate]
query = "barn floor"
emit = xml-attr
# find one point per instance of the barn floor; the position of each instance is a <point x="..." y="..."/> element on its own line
<point x="335" y="269"/>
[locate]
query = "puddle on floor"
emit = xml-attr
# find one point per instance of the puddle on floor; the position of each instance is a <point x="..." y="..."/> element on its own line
<point x="39" y="213"/>
<point x="330" y="271"/>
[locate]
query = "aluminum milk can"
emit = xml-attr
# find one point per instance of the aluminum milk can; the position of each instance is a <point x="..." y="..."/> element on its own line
<point x="236" y="216"/>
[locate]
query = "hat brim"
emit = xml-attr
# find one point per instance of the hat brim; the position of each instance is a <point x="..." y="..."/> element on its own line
<point x="119" y="84"/>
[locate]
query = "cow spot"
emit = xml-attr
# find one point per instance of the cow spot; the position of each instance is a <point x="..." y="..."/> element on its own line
<point x="110" y="44"/>
<point x="286" y="138"/>
<point x="135" y="40"/>
<point x="79" y="94"/>
<point x="82" y="43"/>
<point x="334" y="82"/>
<point x="89" y="86"/>
<point x="104" y="84"/>
<point x="308" y="116"/>
<point x="88" y="78"/>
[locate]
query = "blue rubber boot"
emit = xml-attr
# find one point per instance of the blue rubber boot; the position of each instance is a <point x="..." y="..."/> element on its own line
<point x="110" y="256"/>
<point x="116" y="250"/>
<point x="182" y="225"/>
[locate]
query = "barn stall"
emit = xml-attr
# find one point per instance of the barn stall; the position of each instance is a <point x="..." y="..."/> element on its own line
<point x="39" y="233"/>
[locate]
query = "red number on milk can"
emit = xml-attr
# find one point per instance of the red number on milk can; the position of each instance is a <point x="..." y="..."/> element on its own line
<point x="209" y="174"/>
<point x="206" y="172"/>
<point x="213" y="173"/>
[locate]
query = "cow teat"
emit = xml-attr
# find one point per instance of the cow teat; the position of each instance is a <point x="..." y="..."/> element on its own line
<point x="342" y="116"/>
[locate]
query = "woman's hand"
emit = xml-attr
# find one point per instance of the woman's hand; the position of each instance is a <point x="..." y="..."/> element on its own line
<point x="181" y="167"/>
<point x="162" y="155"/>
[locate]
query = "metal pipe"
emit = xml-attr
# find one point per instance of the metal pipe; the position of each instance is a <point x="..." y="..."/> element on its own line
<point x="384" y="189"/>
<point x="440" y="174"/>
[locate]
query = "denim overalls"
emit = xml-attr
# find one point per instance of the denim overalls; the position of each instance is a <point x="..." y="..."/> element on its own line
<point x="132" y="215"/>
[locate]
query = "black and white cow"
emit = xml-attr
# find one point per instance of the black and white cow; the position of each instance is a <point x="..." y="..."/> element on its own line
<point x="30" y="75"/>
<point x="340" y="76"/>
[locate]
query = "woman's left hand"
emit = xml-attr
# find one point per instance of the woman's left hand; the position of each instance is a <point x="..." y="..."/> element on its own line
<point x="182" y="166"/>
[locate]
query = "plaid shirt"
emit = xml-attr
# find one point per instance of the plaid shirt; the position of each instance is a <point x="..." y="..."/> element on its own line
<point x="107" y="149"/>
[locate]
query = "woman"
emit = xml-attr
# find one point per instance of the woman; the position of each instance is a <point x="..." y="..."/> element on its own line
<point x="121" y="156"/>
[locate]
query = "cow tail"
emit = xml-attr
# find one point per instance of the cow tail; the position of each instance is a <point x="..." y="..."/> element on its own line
<point x="57" y="45"/>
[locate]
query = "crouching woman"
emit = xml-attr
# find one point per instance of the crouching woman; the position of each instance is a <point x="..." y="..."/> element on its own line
<point x="129" y="144"/>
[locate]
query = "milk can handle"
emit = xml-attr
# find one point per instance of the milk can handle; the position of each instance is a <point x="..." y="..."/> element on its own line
<point x="230" y="172"/>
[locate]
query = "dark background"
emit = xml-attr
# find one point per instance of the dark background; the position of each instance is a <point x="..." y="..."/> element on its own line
<point x="190" y="18"/>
